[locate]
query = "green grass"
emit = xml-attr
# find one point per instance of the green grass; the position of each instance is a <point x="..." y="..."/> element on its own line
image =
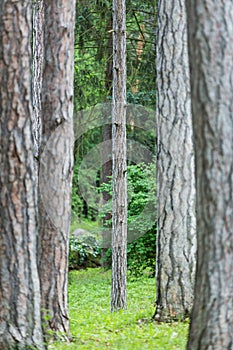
<point x="84" y="224"/>
<point x="93" y="326"/>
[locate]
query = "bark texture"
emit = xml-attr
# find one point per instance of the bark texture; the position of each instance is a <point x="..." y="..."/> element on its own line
<point x="56" y="162"/>
<point x="20" y="319"/>
<point x="119" y="197"/>
<point x="176" y="241"/>
<point x="37" y="55"/>
<point x="210" y="39"/>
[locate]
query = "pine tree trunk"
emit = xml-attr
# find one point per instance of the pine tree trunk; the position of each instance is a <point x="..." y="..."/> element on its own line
<point x="210" y="39"/>
<point x="176" y="241"/>
<point x="20" y="319"/>
<point x="56" y="162"/>
<point x="37" y="56"/>
<point x="119" y="218"/>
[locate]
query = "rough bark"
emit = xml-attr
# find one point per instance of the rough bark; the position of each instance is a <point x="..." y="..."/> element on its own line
<point x="210" y="39"/>
<point x="20" y="319"/>
<point x="176" y="240"/>
<point x="56" y="162"/>
<point x="119" y="219"/>
<point x="37" y="56"/>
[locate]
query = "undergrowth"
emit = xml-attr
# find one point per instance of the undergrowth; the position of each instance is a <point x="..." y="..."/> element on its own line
<point x="93" y="326"/>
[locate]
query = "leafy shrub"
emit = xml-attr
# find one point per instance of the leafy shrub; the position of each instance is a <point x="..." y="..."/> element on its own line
<point x="141" y="191"/>
<point x="84" y="251"/>
<point x="140" y="255"/>
<point x="144" y="98"/>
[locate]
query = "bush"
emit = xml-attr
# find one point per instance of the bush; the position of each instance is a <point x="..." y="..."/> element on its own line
<point x="141" y="254"/>
<point x="84" y="251"/>
<point x="141" y="188"/>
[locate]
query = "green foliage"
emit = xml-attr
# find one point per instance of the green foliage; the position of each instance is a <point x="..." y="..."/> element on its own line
<point x="141" y="38"/>
<point x="141" y="255"/>
<point x="93" y="78"/>
<point x="77" y="203"/>
<point x="141" y="192"/>
<point x="88" y="73"/>
<point x="94" y="327"/>
<point x="144" y="98"/>
<point x="93" y="52"/>
<point x="85" y="224"/>
<point x="141" y="252"/>
<point x="84" y="251"/>
<point x="92" y="85"/>
<point x="82" y="147"/>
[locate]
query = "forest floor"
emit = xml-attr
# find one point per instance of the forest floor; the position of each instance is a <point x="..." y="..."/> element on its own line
<point x="93" y="326"/>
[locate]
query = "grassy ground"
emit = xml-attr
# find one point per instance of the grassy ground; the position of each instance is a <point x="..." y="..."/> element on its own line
<point x="93" y="326"/>
<point x="84" y="224"/>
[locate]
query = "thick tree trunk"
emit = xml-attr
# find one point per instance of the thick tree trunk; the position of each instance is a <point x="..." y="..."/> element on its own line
<point x="20" y="319"/>
<point x="56" y="162"/>
<point x="210" y="39"/>
<point x="176" y="241"/>
<point x="37" y="56"/>
<point x="119" y="219"/>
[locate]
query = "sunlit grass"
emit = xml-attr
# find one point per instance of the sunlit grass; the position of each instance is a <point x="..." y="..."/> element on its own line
<point x="93" y="326"/>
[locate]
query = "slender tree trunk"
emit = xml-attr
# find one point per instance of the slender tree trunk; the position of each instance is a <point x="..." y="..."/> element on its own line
<point x="176" y="240"/>
<point x="119" y="219"/>
<point x="56" y="162"/>
<point x="107" y="135"/>
<point x="20" y="319"/>
<point x="210" y="39"/>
